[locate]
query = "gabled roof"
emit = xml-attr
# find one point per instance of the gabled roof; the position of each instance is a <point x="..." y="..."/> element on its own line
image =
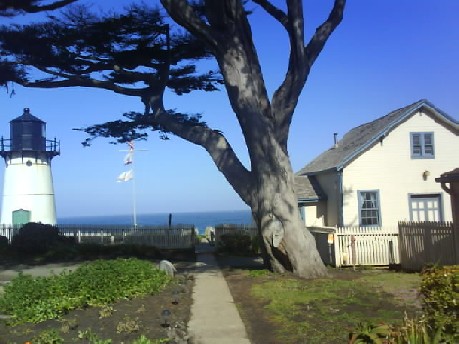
<point x="363" y="137"/>
<point x="308" y="189"/>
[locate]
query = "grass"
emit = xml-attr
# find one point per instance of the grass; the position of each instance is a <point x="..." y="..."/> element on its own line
<point x="326" y="310"/>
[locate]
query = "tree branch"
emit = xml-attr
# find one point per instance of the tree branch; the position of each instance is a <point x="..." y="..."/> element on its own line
<point x="301" y="60"/>
<point x="214" y="142"/>
<point x="83" y="82"/>
<point x="183" y="14"/>
<point x="273" y="11"/>
<point x="29" y="7"/>
<point x="324" y="31"/>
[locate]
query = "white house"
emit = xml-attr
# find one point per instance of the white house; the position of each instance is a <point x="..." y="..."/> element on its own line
<point x="383" y="171"/>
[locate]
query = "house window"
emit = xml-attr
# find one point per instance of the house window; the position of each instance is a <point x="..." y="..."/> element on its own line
<point x="422" y="145"/>
<point x="369" y="211"/>
<point x="425" y="207"/>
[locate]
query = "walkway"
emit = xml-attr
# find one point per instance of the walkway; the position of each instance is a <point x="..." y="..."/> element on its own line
<point x="214" y="317"/>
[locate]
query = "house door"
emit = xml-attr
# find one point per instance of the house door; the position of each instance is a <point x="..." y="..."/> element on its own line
<point x="425" y="208"/>
<point x="21" y="217"/>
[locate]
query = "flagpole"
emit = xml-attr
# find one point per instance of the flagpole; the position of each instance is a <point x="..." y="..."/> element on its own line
<point x="126" y="176"/>
<point x="134" y="210"/>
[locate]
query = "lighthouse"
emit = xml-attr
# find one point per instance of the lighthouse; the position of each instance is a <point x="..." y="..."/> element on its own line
<point x="28" y="193"/>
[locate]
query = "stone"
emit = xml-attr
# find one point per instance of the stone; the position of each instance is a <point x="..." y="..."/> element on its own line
<point x="168" y="267"/>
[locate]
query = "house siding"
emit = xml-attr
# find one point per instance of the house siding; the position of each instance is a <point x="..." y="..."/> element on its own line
<point x="315" y="214"/>
<point x="389" y="168"/>
<point x="330" y="183"/>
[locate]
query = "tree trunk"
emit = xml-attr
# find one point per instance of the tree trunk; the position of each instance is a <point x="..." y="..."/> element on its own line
<point x="288" y="245"/>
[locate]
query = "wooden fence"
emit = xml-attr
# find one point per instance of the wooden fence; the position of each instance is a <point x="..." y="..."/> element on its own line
<point x="424" y="243"/>
<point x="175" y="237"/>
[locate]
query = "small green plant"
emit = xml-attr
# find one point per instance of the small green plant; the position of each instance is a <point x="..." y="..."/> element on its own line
<point x="68" y="324"/>
<point x="369" y="333"/>
<point x="258" y="273"/>
<point x="416" y="331"/>
<point x="144" y="340"/>
<point x="92" y="338"/>
<point x="128" y="325"/>
<point x="49" y="336"/>
<point x="106" y="311"/>
<point x="141" y="309"/>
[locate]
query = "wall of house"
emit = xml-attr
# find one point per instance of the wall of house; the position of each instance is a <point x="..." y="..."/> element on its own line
<point x="389" y="168"/>
<point x="329" y="181"/>
<point x="314" y="214"/>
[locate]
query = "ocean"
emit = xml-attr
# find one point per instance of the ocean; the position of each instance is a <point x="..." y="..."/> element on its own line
<point x="200" y="220"/>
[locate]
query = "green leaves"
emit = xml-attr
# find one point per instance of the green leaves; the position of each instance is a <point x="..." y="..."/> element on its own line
<point x="96" y="283"/>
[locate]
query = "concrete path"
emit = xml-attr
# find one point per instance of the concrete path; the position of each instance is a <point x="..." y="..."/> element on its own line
<point x="214" y="316"/>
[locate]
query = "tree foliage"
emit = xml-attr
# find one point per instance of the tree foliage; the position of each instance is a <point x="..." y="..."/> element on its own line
<point x="133" y="53"/>
<point x="11" y="8"/>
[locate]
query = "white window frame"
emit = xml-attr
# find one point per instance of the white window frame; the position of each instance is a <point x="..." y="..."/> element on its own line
<point x="426" y="198"/>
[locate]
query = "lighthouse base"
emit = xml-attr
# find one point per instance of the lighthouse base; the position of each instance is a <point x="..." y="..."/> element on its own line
<point x="28" y="194"/>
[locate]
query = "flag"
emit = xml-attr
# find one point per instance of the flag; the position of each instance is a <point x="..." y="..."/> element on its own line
<point x="125" y="176"/>
<point x="129" y="157"/>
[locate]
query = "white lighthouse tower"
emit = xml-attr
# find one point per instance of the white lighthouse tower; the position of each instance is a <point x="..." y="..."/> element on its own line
<point x="28" y="193"/>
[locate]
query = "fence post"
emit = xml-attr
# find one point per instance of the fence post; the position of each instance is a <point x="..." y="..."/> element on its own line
<point x="353" y="251"/>
<point x="336" y="248"/>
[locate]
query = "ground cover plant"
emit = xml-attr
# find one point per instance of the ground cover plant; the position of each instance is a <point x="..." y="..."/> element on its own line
<point x="102" y="301"/>
<point x="97" y="283"/>
<point x="287" y="309"/>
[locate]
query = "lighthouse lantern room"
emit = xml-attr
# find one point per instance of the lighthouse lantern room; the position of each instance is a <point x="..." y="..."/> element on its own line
<point x="28" y="193"/>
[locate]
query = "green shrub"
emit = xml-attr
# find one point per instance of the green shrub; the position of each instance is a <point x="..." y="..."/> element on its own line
<point x="96" y="283"/>
<point x="235" y="243"/>
<point x="37" y="238"/>
<point x="440" y="291"/>
<point x="3" y="242"/>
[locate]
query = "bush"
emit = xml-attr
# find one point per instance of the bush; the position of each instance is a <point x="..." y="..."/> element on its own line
<point x="235" y="243"/>
<point x="37" y="238"/>
<point x="440" y="291"/>
<point x="3" y="242"/>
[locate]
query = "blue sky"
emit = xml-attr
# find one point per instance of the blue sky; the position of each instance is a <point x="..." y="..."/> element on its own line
<point x="386" y="54"/>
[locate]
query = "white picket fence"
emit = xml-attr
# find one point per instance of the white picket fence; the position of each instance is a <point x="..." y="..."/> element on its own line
<point x="366" y="246"/>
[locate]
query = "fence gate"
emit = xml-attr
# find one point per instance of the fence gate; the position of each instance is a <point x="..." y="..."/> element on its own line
<point x="366" y="246"/>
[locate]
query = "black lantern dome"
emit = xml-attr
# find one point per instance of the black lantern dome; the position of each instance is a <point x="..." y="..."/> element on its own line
<point x="28" y="134"/>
